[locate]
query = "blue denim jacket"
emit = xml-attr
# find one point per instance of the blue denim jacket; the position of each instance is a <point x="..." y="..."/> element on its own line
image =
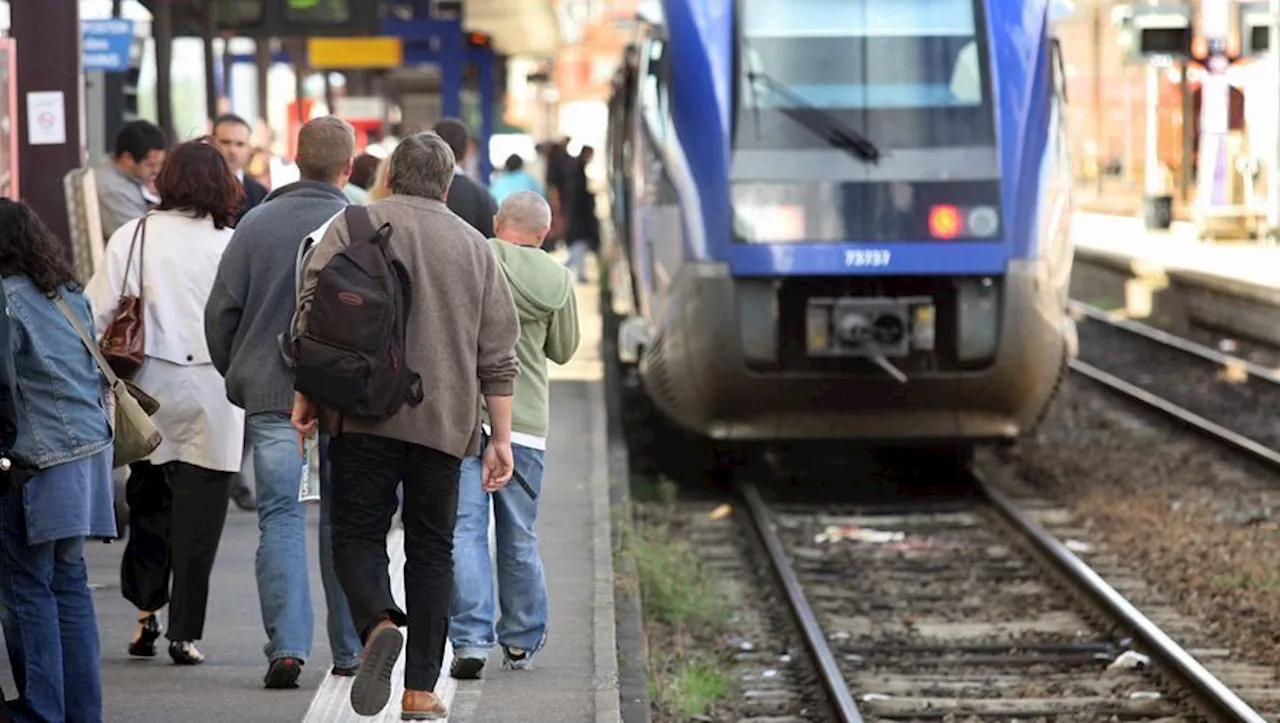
<point x="60" y="389"/>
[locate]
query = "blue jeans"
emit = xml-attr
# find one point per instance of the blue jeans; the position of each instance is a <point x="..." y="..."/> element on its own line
<point x="284" y="589"/>
<point x="522" y="585"/>
<point x="50" y="627"/>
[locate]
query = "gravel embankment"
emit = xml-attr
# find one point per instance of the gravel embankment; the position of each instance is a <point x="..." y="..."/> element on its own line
<point x="1200" y="523"/>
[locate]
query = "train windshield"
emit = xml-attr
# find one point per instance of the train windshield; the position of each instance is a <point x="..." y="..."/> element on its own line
<point x="859" y="119"/>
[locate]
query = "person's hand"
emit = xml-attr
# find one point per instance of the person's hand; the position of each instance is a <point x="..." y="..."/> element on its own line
<point x="498" y="466"/>
<point x="305" y="419"/>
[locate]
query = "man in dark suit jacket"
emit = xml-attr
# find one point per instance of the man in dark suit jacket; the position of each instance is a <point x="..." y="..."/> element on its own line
<point x="467" y="198"/>
<point x="232" y="134"/>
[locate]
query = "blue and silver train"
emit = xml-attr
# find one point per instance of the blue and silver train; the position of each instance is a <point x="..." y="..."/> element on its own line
<point x="843" y="219"/>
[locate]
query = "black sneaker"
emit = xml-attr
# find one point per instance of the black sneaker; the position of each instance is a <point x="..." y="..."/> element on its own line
<point x="466" y="668"/>
<point x="371" y="688"/>
<point x="516" y="659"/>
<point x="283" y="674"/>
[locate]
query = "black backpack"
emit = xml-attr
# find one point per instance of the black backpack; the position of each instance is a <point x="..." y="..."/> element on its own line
<point x="352" y="357"/>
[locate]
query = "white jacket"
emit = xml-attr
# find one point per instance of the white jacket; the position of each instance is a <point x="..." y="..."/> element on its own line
<point x="179" y="260"/>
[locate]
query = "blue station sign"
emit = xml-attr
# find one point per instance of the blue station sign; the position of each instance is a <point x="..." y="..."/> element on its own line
<point x="107" y="44"/>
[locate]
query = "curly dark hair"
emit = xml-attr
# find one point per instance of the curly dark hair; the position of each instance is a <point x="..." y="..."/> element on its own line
<point x="196" y="178"/>
<point x="28" y="248"/>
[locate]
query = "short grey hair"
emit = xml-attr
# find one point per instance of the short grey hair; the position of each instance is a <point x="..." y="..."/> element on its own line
<point x="422" y="165"/>
<point x="526" y="211"/>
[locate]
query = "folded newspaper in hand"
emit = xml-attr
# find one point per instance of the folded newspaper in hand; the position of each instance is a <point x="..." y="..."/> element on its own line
<point x="309" y="485"/>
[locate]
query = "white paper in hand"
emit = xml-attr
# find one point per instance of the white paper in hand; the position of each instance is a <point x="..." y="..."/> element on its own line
<point x="309" y="485"/>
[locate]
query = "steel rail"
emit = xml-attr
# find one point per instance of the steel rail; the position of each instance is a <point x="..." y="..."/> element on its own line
<point x="1176" y="342"/>
<point x="828" y="669"/>
<point x="1219" y="433"/>
<point x="1211" y="691"/>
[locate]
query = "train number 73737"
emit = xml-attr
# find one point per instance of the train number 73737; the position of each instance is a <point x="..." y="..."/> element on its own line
<point x="867" y="257"/>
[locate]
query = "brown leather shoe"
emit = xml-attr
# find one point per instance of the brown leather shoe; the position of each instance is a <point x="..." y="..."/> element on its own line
<point x="422" y="705"/>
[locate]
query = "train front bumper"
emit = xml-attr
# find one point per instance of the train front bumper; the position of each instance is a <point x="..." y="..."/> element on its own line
<point x="697" y="373"/>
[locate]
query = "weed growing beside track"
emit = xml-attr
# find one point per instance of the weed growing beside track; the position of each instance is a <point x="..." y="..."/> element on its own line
<point x="687" y="609"/>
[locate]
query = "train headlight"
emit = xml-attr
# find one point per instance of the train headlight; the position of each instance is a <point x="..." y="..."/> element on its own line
<point x="984" y="221"/>
<point x="944" y="222"/>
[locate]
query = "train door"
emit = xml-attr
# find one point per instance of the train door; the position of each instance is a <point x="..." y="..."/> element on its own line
<point x="656" y="210"/>
<point x="1056" y="206"/>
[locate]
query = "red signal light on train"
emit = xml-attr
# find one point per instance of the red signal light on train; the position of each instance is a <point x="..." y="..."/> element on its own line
<point x="944" y="222"/>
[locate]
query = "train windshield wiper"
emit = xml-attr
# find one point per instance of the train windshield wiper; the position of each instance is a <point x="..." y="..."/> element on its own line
<point x="817" y="120"/>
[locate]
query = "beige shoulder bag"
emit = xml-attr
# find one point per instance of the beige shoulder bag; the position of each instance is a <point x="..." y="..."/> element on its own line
<point x="136" y="436"/>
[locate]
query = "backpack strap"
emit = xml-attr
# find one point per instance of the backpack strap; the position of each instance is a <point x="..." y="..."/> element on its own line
<point x="359" y="223"/>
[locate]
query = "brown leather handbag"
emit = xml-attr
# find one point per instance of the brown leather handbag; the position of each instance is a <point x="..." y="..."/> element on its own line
<point x="122" y="344"/>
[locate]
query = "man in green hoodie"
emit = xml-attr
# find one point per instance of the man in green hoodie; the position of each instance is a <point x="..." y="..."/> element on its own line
<point x="543" y="292"/>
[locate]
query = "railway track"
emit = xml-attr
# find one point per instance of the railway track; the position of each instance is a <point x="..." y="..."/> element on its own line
<point x="1225" y="397"/>
<point x="952" y="610"/>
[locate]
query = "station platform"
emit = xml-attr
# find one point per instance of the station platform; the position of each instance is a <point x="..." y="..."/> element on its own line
<point x="1232" y="287"/>
<point x="1245" y="268"/>
<point x="574" y="678"/>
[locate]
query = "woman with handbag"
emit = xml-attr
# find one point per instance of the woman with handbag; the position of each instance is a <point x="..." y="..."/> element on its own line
<point x="148" y="300"/>
<point x="46" y="609"/>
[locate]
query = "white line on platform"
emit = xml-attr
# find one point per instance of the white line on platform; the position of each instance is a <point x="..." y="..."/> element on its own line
<point x="332" y="702"/>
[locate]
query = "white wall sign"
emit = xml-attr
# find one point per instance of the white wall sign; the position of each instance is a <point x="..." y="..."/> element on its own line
<point x="46" y="118"/>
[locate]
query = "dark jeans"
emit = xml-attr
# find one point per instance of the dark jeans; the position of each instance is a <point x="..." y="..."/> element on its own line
<point x="367" y="470"/>
<point x="50" y="628"/>
<point x="176" y="515"/>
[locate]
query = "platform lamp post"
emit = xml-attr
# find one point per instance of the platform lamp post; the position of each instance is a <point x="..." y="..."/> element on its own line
<point x="1260" y="35"/>
<point x="1158" y="36"/>
<point x="1273" y="171"/>
<point x="1257" y="22"/>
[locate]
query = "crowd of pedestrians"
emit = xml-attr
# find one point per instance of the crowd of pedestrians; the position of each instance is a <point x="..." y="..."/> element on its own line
<point x="394" y="312"/>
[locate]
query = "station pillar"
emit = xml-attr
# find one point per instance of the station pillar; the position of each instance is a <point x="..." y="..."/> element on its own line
<point x="49" y="104"/>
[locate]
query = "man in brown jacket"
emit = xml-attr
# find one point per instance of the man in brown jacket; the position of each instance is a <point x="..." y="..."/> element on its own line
<point x="461" y="339"/>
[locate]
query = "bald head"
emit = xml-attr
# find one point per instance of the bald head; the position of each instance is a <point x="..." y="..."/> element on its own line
<point x="524" y="219"/>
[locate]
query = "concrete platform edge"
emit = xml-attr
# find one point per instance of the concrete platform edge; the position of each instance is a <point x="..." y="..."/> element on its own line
<point x="608" y="706"/>
<point x="1214" y="283"/>
<point x="632" y="655"/>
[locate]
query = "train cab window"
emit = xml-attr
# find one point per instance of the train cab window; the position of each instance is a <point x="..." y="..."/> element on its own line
<point x="966" y="78"/>
<point x="912" y="77"/>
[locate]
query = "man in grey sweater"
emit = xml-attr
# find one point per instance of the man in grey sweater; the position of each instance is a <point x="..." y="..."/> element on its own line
<point x="251" y="305"/>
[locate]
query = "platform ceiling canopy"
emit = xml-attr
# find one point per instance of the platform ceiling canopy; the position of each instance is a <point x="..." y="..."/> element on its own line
<point x="518" y="27"/>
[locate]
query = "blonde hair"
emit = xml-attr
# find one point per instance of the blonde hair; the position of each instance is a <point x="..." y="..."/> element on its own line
<point x="381" y="183"/>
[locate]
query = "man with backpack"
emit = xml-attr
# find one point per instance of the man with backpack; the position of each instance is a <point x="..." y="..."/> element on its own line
<point x="250" y="308"/>
<point x="404" y="322"/>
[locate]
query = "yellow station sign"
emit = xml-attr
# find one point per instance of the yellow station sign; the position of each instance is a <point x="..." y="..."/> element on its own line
<point x="354" y="53"/>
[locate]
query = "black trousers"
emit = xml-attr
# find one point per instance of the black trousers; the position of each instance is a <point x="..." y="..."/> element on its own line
<point x="176" y="515"/>
<point x="366" y="472"/>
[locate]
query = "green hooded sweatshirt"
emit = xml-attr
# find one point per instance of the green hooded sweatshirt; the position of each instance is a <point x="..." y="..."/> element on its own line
<point x="543" y="292"/>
